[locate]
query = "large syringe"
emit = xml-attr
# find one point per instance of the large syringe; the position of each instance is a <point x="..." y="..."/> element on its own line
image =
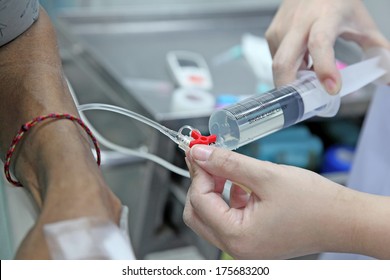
<point x="262" y="114"/>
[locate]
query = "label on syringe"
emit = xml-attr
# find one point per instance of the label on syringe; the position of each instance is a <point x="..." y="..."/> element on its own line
<point x="262" y="106"/>
<point x="256" y="117"/>
<point x="263" y="114"/>
<point x="260" y="113"/>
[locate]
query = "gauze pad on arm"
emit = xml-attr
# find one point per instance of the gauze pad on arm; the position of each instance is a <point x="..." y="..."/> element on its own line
<point x="89" y="238"/>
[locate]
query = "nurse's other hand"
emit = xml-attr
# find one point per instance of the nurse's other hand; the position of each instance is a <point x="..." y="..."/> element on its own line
<point x="290" y="211"/>
<point x="303" y="27"/>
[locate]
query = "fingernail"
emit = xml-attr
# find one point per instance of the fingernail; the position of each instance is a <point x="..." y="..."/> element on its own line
<point x="201" y="152"/>
<point x="331" y="86"/>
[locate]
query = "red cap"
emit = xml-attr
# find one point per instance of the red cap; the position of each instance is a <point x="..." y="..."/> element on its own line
<point x="200" y="139"/>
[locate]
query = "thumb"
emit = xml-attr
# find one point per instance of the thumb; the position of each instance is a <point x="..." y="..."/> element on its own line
<point x="235" y="167"/>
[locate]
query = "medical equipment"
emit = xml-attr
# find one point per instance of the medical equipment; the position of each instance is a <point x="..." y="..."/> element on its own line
<point x="233" y="53"/>
<point x="256" y="52"/>
<point x="181" y="140"/>
<point x="338" y="158"/>
<point x="254" y="117"/>
<point x="263" y="114"/>
<point x="184" y="141"/>
<point x="173" y="135"/>
<point x="96" y="239"/>
<point x="189" y="70"/>
<point x="192" y="100"/>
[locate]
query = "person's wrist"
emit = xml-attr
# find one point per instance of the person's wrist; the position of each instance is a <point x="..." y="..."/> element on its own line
<point x="54" y="152"/>
<point x="341" y="223"/>
<point x="372" y="232"/>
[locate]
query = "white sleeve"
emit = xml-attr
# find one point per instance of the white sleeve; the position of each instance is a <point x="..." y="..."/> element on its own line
<point x="16" y="16"/>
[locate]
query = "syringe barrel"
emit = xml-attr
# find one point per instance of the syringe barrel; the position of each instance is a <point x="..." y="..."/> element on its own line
<point x="262" y="114"/>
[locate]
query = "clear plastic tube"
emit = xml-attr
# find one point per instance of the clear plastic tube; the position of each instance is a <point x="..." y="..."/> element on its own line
<point x="173" y="135"/>
<point x="115" y="109"/>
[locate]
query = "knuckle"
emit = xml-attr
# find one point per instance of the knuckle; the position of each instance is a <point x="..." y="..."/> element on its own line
<point x="281" y="66"/>
<point x="187" y="216"/>
<point x="282" y="71"/>
<point x="317" y="40"/>
<point x="275" y="31"/>
<point x="196" y="207"/>
<point x="193" y="202"/>
<point x="271" y="33"/>
<point x="277" y="66"/>
<point x="186" y="219"/>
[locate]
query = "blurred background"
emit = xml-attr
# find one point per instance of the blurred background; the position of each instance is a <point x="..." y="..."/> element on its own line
<point x="115" y="52"/>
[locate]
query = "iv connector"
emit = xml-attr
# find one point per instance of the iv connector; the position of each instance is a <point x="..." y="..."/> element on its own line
<point x="194" y="137"/>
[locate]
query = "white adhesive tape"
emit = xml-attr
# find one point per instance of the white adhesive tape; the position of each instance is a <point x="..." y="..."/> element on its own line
<point x="88" y="238"/>
<point x="187" y="99"/>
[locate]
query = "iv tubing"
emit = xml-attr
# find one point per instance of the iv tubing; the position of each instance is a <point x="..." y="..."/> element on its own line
<point x="111" y="108"/>
<point x="124" y="150"/>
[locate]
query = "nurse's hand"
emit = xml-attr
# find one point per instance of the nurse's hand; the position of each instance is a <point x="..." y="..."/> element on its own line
<point x="303" y="27"/>
<point x="290" y="211"/>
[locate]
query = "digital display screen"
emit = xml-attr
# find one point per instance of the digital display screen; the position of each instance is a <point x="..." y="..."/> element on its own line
<point x="187" y="63"/>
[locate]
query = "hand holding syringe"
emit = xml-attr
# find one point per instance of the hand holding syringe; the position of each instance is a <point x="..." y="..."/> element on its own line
<point x="259" y="115"/>
<point x="262" y="114"/>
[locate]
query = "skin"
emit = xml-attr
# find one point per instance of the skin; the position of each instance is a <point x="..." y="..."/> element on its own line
<point x="54" y="160"/>
<point x="302" y="27"/>
<point x="279" y="212"/>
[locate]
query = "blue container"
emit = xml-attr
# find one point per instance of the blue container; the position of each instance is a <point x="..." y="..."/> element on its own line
<point x="338" y="159"/>
<point x="292" y="146"/>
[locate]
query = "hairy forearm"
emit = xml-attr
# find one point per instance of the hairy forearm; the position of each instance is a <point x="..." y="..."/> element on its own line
<point x="53" y="160"/>
<point x="31" y="78"/>
<point x="32" y="84"/>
